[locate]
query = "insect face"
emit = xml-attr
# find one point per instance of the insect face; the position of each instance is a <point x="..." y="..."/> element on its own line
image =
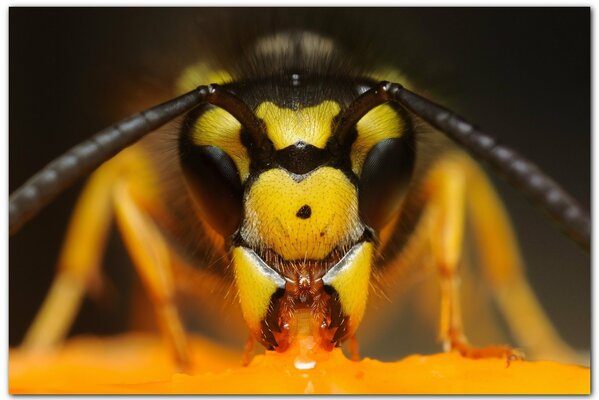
<point x="301" y="219"/>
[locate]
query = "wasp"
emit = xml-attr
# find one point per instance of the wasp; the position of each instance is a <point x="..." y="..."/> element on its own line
<point x="304" y="175"/>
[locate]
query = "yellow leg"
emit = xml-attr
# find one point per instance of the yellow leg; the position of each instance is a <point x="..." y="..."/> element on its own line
<point x="110" y="190"/>
<point x="248" y="351"/>
<point x="78" y="265"/>
<point x="504" y="270"/>
<point x="354" y="348"/>
<point x="455" y="185"/>
<point x="150" y="256"/>
<point x="445" y="189"/>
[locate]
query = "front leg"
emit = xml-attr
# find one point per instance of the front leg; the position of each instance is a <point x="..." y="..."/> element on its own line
<point x="445" y="196"/>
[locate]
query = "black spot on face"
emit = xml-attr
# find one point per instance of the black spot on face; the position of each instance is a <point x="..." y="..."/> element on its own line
<point x="304" y="212"/>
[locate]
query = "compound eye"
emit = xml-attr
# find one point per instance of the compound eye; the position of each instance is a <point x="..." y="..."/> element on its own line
<point x="215" y="184"/>
<point x="385" y="175"/>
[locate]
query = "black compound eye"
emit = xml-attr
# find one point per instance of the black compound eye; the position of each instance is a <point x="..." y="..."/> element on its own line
<point x="214" y="182"/>
<point x="385" y="175"/>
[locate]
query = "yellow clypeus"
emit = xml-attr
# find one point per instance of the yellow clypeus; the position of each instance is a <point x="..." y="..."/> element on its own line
<point x="277" y="205"/>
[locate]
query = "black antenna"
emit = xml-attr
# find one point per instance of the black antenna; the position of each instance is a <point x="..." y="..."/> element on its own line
<point x="517" y="170"/>
<point x="58" y="175"/>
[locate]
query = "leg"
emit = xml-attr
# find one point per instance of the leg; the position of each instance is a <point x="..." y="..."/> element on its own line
<point x="445" y="189"/>
<point x="78" y="265"/>
<point x="248" y="351"/>
<point x="501" y="261"/>
<point x="82" y="251"/>
<point x="354" y="348"/>
<point x="505" y="272"/>
<point x="150" y="256"/>
<point x="454" y="186"/>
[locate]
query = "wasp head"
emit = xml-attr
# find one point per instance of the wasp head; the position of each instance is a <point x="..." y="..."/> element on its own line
<point x="302" y="206"/>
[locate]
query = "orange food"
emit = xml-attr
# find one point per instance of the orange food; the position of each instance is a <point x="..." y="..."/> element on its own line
<point x="137" y="363"/>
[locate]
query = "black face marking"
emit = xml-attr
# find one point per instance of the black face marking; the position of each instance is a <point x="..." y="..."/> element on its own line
<point x="301" y="158"/>
<point x="304" y="212"/>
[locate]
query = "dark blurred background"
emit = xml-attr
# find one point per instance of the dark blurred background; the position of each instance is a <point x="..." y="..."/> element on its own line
<point x="522" y="74"/>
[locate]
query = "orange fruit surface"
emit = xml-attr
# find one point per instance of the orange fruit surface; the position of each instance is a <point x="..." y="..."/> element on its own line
<point x="135" y="363"/>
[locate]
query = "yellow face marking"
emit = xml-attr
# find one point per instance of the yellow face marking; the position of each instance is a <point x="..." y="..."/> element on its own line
<point x="311" y="125"/>
<point x="255" y="286"/>
<point x="272" y="207"/>
<point x="216" y="127"/>
<point x="380" y="123"/>
<point x="351" y="282"/>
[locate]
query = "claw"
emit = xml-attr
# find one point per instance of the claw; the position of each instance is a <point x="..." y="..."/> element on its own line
<point x="469" y="351"/>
